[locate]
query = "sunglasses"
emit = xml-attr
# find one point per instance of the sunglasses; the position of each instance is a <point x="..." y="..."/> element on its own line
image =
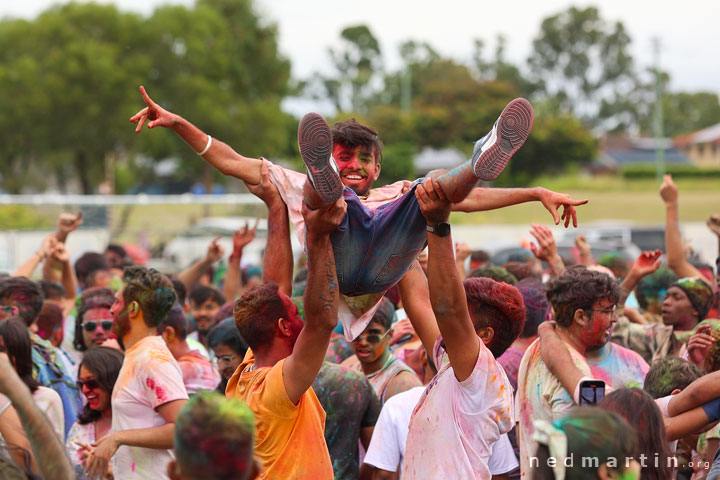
<point x="225" y="360"/>
<point x="91" y="326"/>
<point x="371" y="337"/>
<point x="91" y="384"/>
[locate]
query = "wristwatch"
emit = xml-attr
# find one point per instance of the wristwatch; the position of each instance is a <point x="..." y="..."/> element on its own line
<point x="442" y="229"/>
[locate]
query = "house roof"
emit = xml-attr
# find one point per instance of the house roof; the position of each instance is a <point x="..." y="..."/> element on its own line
<point x="710" y="134"/>
<point x="638" y="155"/>
<point x="432" y="159"/>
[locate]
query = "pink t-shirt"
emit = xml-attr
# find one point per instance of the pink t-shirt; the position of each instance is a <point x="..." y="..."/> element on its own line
<point x="149" y="377"/>
<point x="198" y="373"/>
<point x="455" y="424"/>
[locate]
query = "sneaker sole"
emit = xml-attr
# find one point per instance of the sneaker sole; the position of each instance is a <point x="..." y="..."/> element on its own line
<point x="315" y="142"/>
<point x="514" y="125"/>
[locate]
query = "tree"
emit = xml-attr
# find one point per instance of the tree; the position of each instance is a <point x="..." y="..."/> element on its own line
<point x="582" y="60"/>
<point x="500" y="69"/>
<point x="358" y="62"/>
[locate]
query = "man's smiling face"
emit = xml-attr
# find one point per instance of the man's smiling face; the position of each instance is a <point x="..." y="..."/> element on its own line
<point x="357" y="166"/>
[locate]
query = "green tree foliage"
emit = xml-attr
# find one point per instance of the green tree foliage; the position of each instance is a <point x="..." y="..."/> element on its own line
<point x="581" y="60"/>
<point x="68" y="84"/>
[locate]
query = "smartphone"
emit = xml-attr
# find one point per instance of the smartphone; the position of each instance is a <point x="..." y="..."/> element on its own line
<point x="591" y="392"/>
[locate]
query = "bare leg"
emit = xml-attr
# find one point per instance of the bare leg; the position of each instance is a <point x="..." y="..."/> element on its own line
<point x="491" y="153"/>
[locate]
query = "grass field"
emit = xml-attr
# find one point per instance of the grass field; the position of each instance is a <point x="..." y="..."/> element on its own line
<point x="610" y="198"/>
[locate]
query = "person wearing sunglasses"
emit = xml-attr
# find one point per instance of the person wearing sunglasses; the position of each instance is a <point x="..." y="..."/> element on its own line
<point x="93" y="323"/>
<point x="97" y="375"/>
<point x="387" y="374"/>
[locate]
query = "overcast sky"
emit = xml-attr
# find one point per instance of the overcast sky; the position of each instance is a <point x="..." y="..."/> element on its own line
<point x="689" y="31"/>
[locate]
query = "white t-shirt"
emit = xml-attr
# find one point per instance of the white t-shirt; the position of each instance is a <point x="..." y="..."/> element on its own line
<point x="455" y="424"/>
<point x="50" y="403"/>
<point x="387" y="447"/>
<point x="149" y="378"/>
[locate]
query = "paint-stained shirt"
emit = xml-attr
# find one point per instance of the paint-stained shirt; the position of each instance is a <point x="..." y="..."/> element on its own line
<point x="455" y="424"/>
<point x="350" y="405"/>
<point x="149" y="378"/>
<point x="540" y="396"/>
<point x="619" y="367"/>
<point x="289" y="438"/>
<point x="652" y="341"/>
<point x="198" y="373"/>
<point x="79" y="434"/>
<point x="510" y="361"/>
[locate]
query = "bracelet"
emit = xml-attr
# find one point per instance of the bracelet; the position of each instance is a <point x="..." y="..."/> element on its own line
<point x="207" y="147"/>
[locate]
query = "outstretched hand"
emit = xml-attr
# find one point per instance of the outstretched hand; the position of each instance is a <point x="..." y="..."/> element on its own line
<point x="158" y="116"/>
<point x="699" y="345"/>
<point x="215" y="251"/>
<point x="433" y="202"/>
<point x="545" y="249"/>
<point x="668" y="190"/>
<point x="552" y="201"/>
<point x="647" y="263"/>
<point x="242" y="237"/>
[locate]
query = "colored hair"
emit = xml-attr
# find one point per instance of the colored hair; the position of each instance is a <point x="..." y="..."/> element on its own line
<point x="250" y="271"/>
<point x="594" y="433"/>
<point x="668" y="374"/>
<point x="202" y="294"/>
<point x="536" y="303"/>
<point x="499" y="274"/>
<point x="95" y="297"/>
<point x="578" y="289"/>
<point x="615" y="261"/>
<point x="152" y="290"/>
<point x="88" y="263"/>
<point x="214" y="438"/>
<point x="352" y="134"/>
<point x="49" y="320"/>
<point x="25" y="294"/>
<point x="638" y="408"/>
<point x="652" y="288"/>
<point x="16" y="336"/>
<point x="177" y="320"/>
<point x="479" y="256"/>
<point x="225" y="332"/>
<point x="257" y="312"/>
<point x="496" y="305"/>
<point x="51" y="290"/>
<point x="521" y="270"/>
<point x="105" y="363"/>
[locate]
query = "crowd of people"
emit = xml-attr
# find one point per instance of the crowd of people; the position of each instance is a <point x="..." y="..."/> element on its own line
<point x="387" y="351"/>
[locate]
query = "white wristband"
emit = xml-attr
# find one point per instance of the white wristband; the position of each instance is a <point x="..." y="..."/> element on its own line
<point x="207" y="147"/>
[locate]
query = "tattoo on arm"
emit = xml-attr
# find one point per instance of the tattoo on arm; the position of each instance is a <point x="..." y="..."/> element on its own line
<point x="329" y="298"/>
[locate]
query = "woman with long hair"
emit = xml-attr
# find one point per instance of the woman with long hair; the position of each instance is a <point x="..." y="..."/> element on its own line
<point x="640" y="410"/>
<point x="15" y="341"/>
<point x="96" y="378"/>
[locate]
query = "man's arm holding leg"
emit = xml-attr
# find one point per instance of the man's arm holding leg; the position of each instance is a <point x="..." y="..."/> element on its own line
<point x="447" y="294"/>
<point x="218" y="154"/>
<point x="320" y="301"/>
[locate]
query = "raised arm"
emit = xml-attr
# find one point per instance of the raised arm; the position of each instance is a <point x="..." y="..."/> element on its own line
<point x="190" y="276"/>
<point x="557" y="358"/>
<point x="67" y="223"/>
<point x="546" y="249"/>
<point x="481" y="199"/>
<point x="645" y="264"/>
<point x="583" y="247"/>
<point x="67" y="279"/>
<point x="28" y="267"/>
<point x="447" y="294"/>
<point x="241" y="237"/>
<point x="218" y="154"/>
<point x="673" y="240"/>
<point x="320" y="301"/>
<point x="278" y="260"/>
<point x="47" y="449"/>
<point x="415" y="296"/>
<point x="702" y="390"/>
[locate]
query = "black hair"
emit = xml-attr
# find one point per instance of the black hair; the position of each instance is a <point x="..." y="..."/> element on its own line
<point x="177" y="320"/>
<point x="202" y="294"/>
<point x="88" y="263"/>
<point x="105" y="363"/>
<point x="95" y="297"/>
<point x="51" y="290"/>
<point x="25" y="294"/>
<point x="16" y="337"/>
<point x="226" y="333"/>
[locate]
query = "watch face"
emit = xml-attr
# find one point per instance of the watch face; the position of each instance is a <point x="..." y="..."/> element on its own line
<point x="442" y="229"/>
